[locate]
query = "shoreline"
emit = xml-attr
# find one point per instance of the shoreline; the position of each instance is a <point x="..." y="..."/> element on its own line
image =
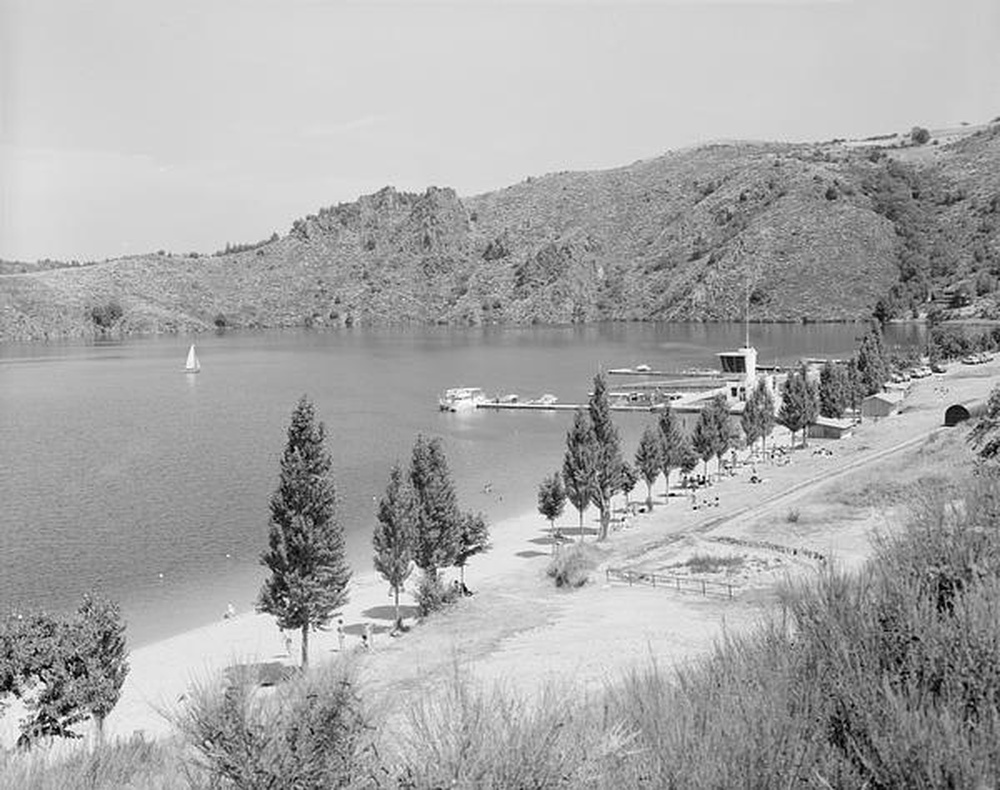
<point x="520" y="630"/>
<point x="162" y="671"/>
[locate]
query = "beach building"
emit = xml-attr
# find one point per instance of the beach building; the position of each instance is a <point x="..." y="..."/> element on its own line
<point x="831" y="428"/>
<point x="739" y="369"/>
<point x="881" y="404"/>
<point x="960" y="412"/>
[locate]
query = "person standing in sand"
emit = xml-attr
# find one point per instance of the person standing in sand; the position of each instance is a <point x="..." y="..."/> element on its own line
<point x="368" y="635"/>
<point x="340" y="635"/>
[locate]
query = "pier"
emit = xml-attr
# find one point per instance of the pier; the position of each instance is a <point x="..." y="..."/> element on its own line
<point x="496" y="406"/>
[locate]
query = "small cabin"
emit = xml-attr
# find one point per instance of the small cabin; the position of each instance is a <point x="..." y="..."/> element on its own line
<point x="830" y="428"/>
<point x="881" y="404"/>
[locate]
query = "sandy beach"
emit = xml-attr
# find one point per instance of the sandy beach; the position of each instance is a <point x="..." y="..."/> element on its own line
<point x="519" y="630"/>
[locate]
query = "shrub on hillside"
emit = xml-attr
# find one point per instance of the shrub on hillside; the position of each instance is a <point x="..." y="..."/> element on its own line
<point x="572" y="565"/>
<point x="889" y="678"/>
<point x="314" y="732"/>
<point x="136" y="763"/>
<point x="464" y="736"/>
<point x="432" y="595"/>
<point x="106" y="315"/>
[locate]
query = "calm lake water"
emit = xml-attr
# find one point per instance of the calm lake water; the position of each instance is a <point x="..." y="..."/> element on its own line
<point x="120" y="472"/>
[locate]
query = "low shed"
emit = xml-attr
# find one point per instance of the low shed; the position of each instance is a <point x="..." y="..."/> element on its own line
<point x="831" y="428"/>
<point x="881" y="404"/>
<point x="960" y="412"/>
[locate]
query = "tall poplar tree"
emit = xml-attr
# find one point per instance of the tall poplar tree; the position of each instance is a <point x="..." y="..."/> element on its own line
<point x="578" y="464"/>
<point x="721" y="432"/>
<point x="764" y="408"/>
<point x="872" y="367"/>
<point x="394" y="535"/>
<point x="607" y="454"/>
<point x="649" y="460"/>
<point x="834" y="393"/>
<point x="703" y="438"/>
<point x="750" y="420"/>
<point x="799" y="404"/>
<point x="305" y="554"/>
<point x="671" y="443"/>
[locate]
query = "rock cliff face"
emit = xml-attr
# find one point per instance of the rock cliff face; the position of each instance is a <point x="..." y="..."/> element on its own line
<point x="813" y="232"/>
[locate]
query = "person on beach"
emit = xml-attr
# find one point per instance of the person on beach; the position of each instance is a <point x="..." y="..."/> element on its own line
<point x="340" y="635"/>
<point x="366" y="639"/>
<point x="288" y="645"/>
<point x="230" y="612"/>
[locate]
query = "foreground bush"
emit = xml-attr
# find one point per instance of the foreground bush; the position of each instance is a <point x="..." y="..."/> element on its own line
<point x="475" y="737"/>
<point x="312" y="732"/>
<point x="890" y="678"/>
<point x="136" y="763"/>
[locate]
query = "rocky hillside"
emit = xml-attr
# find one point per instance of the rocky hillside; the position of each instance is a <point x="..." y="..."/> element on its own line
<point x="816" y="232"/>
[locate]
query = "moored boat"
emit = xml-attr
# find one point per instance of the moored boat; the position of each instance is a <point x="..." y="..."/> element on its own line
<point x="461" y="399"/>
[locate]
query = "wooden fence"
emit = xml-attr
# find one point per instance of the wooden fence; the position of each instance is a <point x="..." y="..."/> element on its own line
<point x="704" y="587"/>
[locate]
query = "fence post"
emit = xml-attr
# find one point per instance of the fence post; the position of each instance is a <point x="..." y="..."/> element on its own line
<point x="653" y="577"/>
<point x="703" y="590"/>
<point x="629" y="574"/>
<point x="730" y="591"/>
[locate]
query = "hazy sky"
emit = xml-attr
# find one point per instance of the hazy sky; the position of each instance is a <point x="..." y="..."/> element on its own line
<point x="133" y="126"/>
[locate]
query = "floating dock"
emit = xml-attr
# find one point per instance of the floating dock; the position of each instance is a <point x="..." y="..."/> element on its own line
<point x="562" y="407"/>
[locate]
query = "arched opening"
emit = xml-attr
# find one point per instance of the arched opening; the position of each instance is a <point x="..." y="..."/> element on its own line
<point x="955" y="414"/>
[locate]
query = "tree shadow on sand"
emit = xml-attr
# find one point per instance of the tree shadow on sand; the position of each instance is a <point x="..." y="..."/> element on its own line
<point x="388" y="612"/>
<point x="529" y="553"/>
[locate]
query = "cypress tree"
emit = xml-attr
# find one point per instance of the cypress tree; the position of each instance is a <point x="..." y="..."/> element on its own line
<point x="671" y="442"/>
<point x="798" y="404"/>
<point x="439" y="522"/>
<point x="305" y="554"/>
<point x="871" y="361"/>
<point x="834" y="390"/>
<point x="607" y="454"/>
<point x="764" y="408"/>
<point x="720" y="431"/>
<point x="394" y="533"/>
<point x="750" y="420"/>
<point x="578" y="464"/>
<point x="649" y="460"/>
<point x="703" y="439"/>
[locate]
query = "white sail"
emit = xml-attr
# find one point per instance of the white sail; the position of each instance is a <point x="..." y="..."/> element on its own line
<point x="193" y="365"/>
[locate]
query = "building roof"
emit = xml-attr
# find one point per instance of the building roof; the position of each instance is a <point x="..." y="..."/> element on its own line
<point x="841" y="423"/>
<point x="886" y="397"/>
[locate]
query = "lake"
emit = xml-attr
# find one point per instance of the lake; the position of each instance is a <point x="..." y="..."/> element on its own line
<point x="120" y="472"/>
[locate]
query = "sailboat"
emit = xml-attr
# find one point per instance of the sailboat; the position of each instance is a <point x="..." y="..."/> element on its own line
<point x="192" y="365"/>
